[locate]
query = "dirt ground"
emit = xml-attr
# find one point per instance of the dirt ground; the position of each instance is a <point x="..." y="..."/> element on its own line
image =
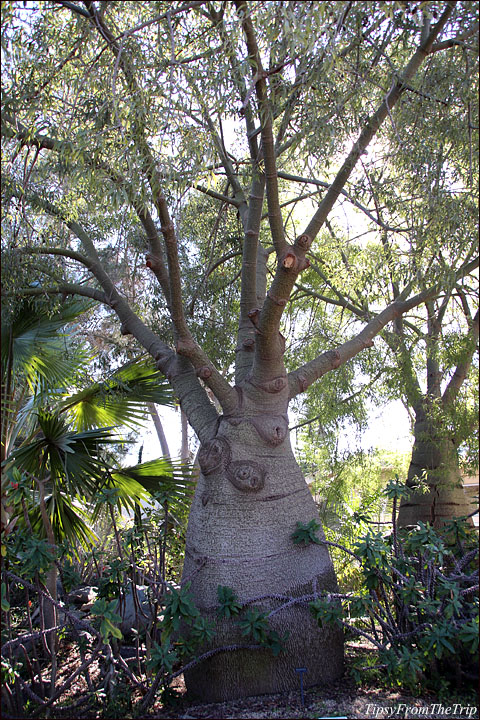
<point x="343" y="699"/>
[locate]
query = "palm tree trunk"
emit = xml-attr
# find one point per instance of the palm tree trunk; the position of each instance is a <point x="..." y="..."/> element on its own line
<point x="159" y="429"/>
<point x="50" y="613"/>
<point x="184" y="453"/>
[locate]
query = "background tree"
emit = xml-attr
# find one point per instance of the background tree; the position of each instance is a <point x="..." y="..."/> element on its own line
<point x="422" y="190"/>
<point x="113" y="115"/>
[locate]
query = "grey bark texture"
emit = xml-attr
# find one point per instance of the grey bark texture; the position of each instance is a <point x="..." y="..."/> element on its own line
<point x="249" y="497"/>
<point x="434" y="460"/>
<point x="251" y="493"/>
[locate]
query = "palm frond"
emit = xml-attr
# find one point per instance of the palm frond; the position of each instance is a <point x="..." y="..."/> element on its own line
<point x="37" y="347"/>
<point x="175" y="479"/>
<point x="120" y="399"/>
<point x="73" y="460"/>
<point x="69" y="522"/>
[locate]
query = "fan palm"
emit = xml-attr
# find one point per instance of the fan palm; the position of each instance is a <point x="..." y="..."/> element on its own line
<point x="58" y="439"/>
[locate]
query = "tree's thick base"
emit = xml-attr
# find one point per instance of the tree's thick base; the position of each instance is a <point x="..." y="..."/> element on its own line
<point x="248" y="501"/>
<point x="236" y="674"/>
<point x="436" y="507"/>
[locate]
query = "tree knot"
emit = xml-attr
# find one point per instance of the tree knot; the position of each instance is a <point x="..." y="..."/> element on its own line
<point x="185" y="346"/>
<point x="271" y="386"/>
<point x="293" y="260"/>
<point x="204" y="372"/>
<point x="214" y="455"/>
<point x="248" y="344"/>
<point x="278" y="301"/>
<point x="304" y="241"/>
<point x="302" y="382"/>
<point x="152" y="262"/>
<point x="336" y="359"/>
<point x="254" y="315"/>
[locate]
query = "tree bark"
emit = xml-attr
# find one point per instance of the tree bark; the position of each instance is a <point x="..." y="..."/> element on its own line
<point x="435" y="461"/>
<point x="249" y="497"/>
<point x="159" y="430"/>
<point x="184" y="452"/>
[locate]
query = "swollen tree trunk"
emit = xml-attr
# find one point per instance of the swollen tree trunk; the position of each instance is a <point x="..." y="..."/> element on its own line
<point x="249" y="497"/>
<point x="434" y="461"/>
<point x="435" y="451"/>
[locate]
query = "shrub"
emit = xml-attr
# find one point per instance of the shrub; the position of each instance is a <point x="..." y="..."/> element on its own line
<point x="419" y="605"/>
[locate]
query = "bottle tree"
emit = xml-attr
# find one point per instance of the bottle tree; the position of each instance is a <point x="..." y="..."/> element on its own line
<point x="114" y="114"/>
<point x="421" y="185"/>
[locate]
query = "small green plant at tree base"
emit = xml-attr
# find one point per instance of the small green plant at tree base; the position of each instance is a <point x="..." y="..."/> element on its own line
<point x="325" y="612"/>
<point x="305" y="533"/>
<point x="118" y="704"/>
<point x="255" y="623"/>
<point x="179" y="606"/>
<point x="162" y="657"/>
<point x="420" y="607"/>
<point x="228" y="602"/>
<point x="182" y="625"/>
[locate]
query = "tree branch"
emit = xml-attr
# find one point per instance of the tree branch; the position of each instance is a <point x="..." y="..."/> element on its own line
<point x="461" y="371"/>
<point x="156" y="262"/>
<point x="459" y="40"/>
<point x="355" y="203"/>
<point x="217" y="19"/>
<point x="250" y="214"/>
<point x="64" y="252"/>
<point x="374" y="122"/>
<point x="217" y="196"/>
<point x="65" y="289"/>
<point x="268" y="348"/>
<point x="186" y="345"/>
<point x="342" y="302"/>
<point x="76" y="9"/>
<point x="303" y="377"/>
<point x="202" y="415"/>
<point x="238" y="194"/>
<point x="343" y="401"/>
<point x="268" y="143"/>
<point x="396" y="342"/>
<point x="208" y="272"/>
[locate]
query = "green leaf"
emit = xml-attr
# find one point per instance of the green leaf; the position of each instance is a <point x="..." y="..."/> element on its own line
<point x="305" y="533"/>
<point x="120" y="399"/>
<point x="326" y="611"/>
<point x="162" y="658"/>
<point x="228" y="602"/>
<point x="105" y="612"/>
<point x="255" y="623"/>
<point x="469" y="635"/>
<point x="5" y="603"/>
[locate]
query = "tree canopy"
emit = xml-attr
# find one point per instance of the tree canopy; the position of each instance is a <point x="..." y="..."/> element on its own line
<point x="125" y="122"/>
